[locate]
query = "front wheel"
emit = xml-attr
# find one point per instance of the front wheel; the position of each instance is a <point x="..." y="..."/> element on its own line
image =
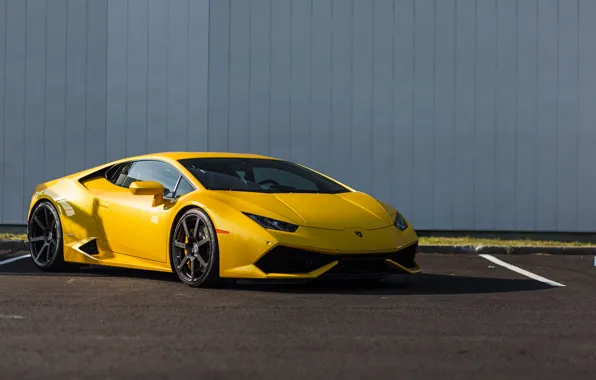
<point x="194" y="251"/>
<point x="45" y="237"/>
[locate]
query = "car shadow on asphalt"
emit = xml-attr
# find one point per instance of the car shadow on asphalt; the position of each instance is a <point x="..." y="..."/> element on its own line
<point x="420" y="284"/>
<point x="27" y="268"/>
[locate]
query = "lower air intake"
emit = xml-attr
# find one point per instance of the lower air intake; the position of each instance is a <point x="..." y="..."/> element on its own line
<point x="291" y="260"/>
<point x="298" y="261"/>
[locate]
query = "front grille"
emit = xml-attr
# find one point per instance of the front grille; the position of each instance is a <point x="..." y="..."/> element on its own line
<point x="358" y="267"/>
<point x="297" y="261"/>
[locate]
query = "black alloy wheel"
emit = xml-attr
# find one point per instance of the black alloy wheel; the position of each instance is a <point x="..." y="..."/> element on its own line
<point x="194" y="250"/>
<point x="45" y="237"/>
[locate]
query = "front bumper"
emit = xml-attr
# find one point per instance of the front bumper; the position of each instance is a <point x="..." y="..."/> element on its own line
<point x="311" y="253"/>
<point x="287" y="263"/>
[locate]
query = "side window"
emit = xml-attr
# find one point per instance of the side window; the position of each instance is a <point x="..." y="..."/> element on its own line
<point x="153" y="171"/>
<point x="283" y="178"/>
<point x="120" y="174"/>
<point x="183" y="187"/>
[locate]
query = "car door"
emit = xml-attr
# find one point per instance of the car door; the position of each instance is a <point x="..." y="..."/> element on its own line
<point x="132" y="224"/>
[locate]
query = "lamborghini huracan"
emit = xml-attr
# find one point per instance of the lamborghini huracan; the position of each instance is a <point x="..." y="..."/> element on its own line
<point x="214" y="216"/>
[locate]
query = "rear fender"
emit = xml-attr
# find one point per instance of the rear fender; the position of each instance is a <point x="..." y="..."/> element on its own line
<point x="76" y="207"/>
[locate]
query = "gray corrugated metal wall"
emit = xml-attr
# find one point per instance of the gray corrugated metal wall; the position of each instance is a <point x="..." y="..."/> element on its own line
<point x="84" y="82"/>
<point x="465" y="114"/>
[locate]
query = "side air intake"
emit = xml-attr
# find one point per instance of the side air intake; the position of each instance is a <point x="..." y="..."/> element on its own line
<point x="90" y="248"/>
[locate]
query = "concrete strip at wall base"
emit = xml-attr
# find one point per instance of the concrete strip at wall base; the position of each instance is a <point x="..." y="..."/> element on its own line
<point x="19" y="245"/>
<point x="494" y="250"/>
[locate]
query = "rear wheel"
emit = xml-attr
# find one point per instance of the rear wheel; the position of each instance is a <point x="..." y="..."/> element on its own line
<point x="194" y="252"/>
<point x="45" y="237"/>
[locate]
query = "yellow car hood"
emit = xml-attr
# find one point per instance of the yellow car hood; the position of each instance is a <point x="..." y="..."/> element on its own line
<point x="328" y="211"/>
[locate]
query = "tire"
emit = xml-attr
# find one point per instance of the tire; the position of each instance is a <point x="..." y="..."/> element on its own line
<point x="45" y="236"/>
<point x="194" y="252"/>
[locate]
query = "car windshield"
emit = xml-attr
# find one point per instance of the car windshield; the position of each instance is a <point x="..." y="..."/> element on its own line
<point x="259" y="175"/>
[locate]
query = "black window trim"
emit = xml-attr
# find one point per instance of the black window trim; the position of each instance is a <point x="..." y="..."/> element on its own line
<point x="133" y="162"/>
<point x="119" y="166"/>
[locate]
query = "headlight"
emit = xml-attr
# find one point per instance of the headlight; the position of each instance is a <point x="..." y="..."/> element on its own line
<point x="272" y="224"/>
<point x="400" y="222"/>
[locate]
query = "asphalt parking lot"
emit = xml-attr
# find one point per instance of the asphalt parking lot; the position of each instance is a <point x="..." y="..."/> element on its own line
<point x="464" y="317"/>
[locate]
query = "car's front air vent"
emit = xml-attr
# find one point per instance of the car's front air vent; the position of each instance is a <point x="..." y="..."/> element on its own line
<point x="283" y="259"/>
<point x="291" y="260"/>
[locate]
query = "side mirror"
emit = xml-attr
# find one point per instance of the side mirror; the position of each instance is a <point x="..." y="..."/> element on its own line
<point x="146" y="188"/>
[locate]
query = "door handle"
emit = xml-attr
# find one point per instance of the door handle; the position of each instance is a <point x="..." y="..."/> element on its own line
<point x="103" y="204"/>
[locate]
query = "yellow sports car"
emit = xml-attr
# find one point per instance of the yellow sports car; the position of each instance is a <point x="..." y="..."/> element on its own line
<point x="211" y="216"/>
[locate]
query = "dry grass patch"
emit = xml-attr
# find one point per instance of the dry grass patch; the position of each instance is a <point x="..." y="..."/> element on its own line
<point x="13" y="237"/>
<point x="472" y="241"/>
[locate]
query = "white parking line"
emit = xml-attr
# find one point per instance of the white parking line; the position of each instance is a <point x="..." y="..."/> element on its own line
<point x="15" y="259"/>
<point x="520" y="271"/>
<point x="2" y="316"/>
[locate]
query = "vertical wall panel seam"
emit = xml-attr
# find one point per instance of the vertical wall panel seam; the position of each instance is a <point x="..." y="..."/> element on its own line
<point x="413" y="176"/>
<point x="371" y="130"/>
<point x="85" y="82"/>
<point x="188" y="70"/>
<point x="167" y="77"/>
<point x="3" y="121"/>
<point x="65" y="160"/>
<point x="2" y="142"/>
<point x="105" y="111"/>
<point x="352" y="31"/>
<point x="147" y="87"/>
<point x="250" y="77"/>
<point x="310" y="86"/>
<point x="329" y="134"/>
<point x="126" y="19"/>
<point x="516" y="135"/>
<point x="45" y="91"/>
<point x="393" y="170"/>
<point x="577" y="107"/>
<point x="474" y="102"/>
<point x="291" y="81"/>
<point x="534" y="126"/>
<point x="229" y="72"/>
<point x="413" y="104"/>
<point x="270" y="76"/>
<point x="208" y="61"/>
<point x="24" y="132"/>
<point x="556" y="205"/>
<point x="434" y="105"/>
<point x="331" y="92"/>
<point x="536" y="113"/>
<point x="495" y="118"/>
<point x="455" y="93"/>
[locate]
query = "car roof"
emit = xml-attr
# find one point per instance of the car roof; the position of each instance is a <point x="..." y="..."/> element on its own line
<point x="168" y="156"/>
<point x="186" y="155"/>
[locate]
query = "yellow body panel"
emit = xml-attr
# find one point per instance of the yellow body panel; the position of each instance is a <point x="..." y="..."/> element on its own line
<point x="133" y="231"/>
